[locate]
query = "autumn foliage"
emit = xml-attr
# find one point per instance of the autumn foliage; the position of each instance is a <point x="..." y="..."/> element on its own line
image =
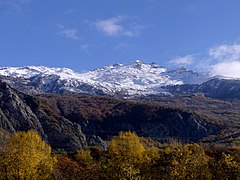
<point x="25" y="156"/>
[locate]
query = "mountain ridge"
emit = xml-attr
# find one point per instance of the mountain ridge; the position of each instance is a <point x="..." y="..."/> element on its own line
<point x="127" y="80"/>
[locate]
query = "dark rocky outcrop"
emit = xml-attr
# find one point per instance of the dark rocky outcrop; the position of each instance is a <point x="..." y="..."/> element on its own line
<point x="15" y="114"/>
<point x="19" y="112"/>
<point x="215" y="88"/>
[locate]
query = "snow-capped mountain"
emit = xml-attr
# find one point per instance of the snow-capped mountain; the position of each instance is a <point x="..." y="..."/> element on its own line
<point x="135" y="78"/>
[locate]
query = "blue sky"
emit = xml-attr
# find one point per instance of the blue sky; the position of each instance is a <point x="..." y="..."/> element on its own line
<point x="84" y="35"/>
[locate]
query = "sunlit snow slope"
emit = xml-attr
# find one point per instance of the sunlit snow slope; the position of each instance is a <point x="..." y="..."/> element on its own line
<point x="136" y="78"/>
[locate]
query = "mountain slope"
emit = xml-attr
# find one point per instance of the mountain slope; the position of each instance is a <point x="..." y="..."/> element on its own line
<point x="20" y="112"/>
<point x="132" y="79"/>
<point x="70" y="122"/>
<point x="105" y="117"/>
<point x="214" y="88"/>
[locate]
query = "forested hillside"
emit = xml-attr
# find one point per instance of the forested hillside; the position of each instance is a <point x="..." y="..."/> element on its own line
<point x="70" y="122"/>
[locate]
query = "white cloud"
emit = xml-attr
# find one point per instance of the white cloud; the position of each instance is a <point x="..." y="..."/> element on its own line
<point x="225" y="60"/>
<point x="120" y="25"/>
<point x="68" y="33"/>
<point x="183" y="61"/>
<point x="228" y="69"/>
<point x="110" y="27"/>
<point x="225" y="52"/>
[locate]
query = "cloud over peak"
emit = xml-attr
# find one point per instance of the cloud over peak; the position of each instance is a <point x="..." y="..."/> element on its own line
<point x="223" y="60"/>
<point x="183" y="61"/>
<point x="227" y="69"/>
<point x="226" y="60"/>
<point x="225" y="52"/>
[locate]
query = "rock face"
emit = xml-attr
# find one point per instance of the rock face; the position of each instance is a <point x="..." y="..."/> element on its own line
<point x="19" y="112"/>
<point x="70" y="122"/>
<point x="214" y="88"/>
<point x="15" y="114"/>
<point x="221" y="88"/>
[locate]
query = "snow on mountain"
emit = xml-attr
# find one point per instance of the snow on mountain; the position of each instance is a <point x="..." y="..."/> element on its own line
<point x="30" y="71"/>
<point x="188" y="76"/>
<point x="135" y="78"/>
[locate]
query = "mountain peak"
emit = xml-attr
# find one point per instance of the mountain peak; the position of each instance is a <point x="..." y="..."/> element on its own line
<point x="138" y="61"/>
<point x="135" y="78"/>
<point x="138" y="64"/>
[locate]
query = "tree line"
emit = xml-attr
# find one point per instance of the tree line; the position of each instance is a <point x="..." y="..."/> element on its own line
<point x="24" y="155"/>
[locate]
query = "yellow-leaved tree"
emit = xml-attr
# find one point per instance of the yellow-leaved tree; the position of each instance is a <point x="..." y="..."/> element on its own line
<point x="89" y="167"/>
<point x="26" y="156"/>
<point x="179" y="161"/>
<point x="126" y="154"/>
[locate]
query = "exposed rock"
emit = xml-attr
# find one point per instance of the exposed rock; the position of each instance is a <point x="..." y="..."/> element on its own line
<point x="215" y="88"/>
<point x="96" y="141"/>
<point x="19" y="112"/>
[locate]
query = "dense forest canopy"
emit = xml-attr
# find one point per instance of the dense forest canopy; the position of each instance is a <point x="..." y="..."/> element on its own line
<point x="24" y="155"/>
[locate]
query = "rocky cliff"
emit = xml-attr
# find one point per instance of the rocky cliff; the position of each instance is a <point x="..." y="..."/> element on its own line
<point x="20" y="112"/>
<point x="71" y="122"/>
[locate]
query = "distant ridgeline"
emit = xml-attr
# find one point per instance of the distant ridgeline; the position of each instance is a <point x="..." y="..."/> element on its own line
<point x="119" y="80"/>
<point x="133" y="80"/>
